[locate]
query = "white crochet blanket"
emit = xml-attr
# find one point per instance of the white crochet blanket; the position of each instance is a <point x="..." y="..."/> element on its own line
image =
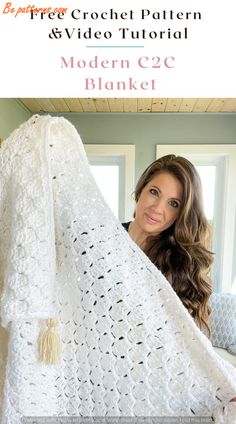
<point x="129" y="346"/>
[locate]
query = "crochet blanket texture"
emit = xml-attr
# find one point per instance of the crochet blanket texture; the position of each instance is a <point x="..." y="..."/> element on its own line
<point x="130" y="348"/>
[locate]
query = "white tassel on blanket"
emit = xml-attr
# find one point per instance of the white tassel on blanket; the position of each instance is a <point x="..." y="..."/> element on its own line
<point x="129" y="347"/>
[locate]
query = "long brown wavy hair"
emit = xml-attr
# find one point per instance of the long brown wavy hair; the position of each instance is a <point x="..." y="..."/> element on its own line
<point x="181" y="251"/>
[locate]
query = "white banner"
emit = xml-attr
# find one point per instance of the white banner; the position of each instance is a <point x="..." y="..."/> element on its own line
<point x="63" y="48"/>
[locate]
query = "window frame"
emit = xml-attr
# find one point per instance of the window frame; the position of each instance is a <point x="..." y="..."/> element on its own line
<point x="122" y="155"/>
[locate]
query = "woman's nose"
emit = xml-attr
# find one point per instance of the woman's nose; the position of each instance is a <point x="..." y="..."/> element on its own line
<point x="158" y="206"/>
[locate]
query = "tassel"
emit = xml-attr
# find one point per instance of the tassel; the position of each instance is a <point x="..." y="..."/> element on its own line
<point x="50" y="347"/>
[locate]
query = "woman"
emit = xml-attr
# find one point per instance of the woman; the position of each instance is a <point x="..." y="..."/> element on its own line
<point x="171" y="228"/>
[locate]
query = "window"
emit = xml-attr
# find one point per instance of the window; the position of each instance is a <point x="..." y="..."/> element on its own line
<point x="113" y="167"/>
<point x="103" y="174"/>
<point x="208" y="174"/>
<point x="217" y="167"/>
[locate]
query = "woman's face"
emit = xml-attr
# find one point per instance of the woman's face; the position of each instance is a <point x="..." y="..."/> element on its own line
<point x="159" y="204"/>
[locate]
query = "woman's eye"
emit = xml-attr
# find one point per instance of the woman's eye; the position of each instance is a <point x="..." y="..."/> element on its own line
<point x="154" y="192"/>
<point x="174" y="204"/>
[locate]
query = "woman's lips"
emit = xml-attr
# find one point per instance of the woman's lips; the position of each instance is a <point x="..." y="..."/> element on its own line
<point x="151" y="220"/>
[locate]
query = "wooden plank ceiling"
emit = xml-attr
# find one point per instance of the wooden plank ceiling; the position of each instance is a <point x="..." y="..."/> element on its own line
<point x="130" y="105"/>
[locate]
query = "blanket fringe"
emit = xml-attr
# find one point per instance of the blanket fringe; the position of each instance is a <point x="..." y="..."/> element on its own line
<point x="49" y="344"/>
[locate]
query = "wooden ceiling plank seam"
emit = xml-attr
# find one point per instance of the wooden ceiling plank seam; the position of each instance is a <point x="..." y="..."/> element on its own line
<point x="102" y="105"/>
<point x="31" y="104"/>
<point x="74" y="105"/>
<point x="173" y="105"/>
<point x="116" y="105"/>
<point x="60" y="105"/>
<point x="158" y="105"/>
<point x="46" y="105"/>
<point x="187" y="105"/>
<point x="216" y="105"/>
<point x="88" y="105"/>
<point x="144" y="105"/>
<point x="201" y="105"/>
